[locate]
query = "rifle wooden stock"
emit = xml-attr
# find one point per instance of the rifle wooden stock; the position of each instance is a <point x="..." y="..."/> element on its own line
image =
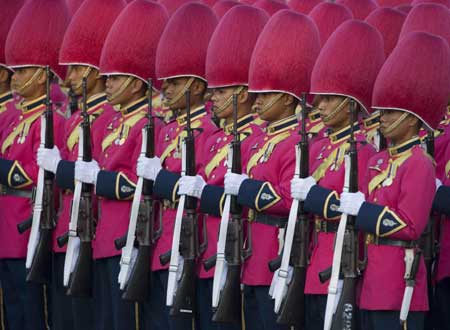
<point x="81" y="278"/>
<point x="230" y="304"/>
<point x="345" y="317"/>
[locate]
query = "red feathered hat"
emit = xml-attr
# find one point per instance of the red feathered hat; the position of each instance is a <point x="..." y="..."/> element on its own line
<point x="173" y="5"/>
<point x="223" y="6"/>
<point x="360" y="8"/>
<point x="84" y="38"/>
<point x="349" y="63"/>
<point x="416" y="78"/>
<point x="404" y="8"/>
<point x="393" y="3"/>
<point x="182" y="49"/>
<point x="428" y="17"/>
<point x="439" y="2"/>
<point x="231" y="46"/>
<point x="36" y="35"/>
<point x="10" y="9"/>
<point x="328" y="16"/>
<point x="210" y="3"/>
<point x="73" y="5"/>
<point x="270" y="6"/>
<point x="303" y="6"/>
<point x="389" y="22"/>
<point x="285" y="54"/>
<point x="130" y="48"/>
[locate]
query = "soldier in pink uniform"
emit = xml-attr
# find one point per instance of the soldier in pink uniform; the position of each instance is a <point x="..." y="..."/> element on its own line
<point x="336" y="78"/>
<point x="33" y="42"/>
<point x="280" y="71"/>
<point x="394" y="205"/>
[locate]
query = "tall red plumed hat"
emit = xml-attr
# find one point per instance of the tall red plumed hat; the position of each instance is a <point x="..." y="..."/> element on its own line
<point x="303" y="6"/>
<point x="360" y="8"/>
<point x="284" y="55"/>
<point x="223" y="6"/>
<point x="231" y="46"/>
<point x="349" y="63"/>
<point x="416" y="78"/>
<point x="328" y="16"/>
<point x="173" y="5"/>
<point x="389" y="22"/>
<point x="270" y="6"/>
<point x="73" y="5"/>
<point x="10" y="8"/>
<point x="428" y="17"/>
<point x="439" y="2"/>
<point x="36" y="35"/>
<point x="84" y="38"/>
<point x="130" y="48"/>
<point x="404" y="8"/>
<point x="393" y="3"/>
<point x="182" y="48"/>
<point x="210" y="3"/>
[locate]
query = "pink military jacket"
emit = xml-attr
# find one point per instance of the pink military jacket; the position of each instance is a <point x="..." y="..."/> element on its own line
<point x="399" y="191"/>
<point x="214" y="167"/>
<point x="166" y="186"/>
<point x="327" y="167"/>
<point x="120" y="148"/>
<point x="8" y="112"/>
<point x="19" y="170"/>
<point x="99" y="112"/>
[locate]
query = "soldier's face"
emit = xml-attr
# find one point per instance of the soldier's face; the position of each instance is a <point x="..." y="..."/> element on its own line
<point x="267" y="108"/>
<point x="113" y="85"/>
<point x="171" y="90"/>
<point x="24" y="77"/>
<point x="75" y="77"/>
<point x="219" y="98"/>
<point x="388" y="126"/>
<point x="327" y="105"/>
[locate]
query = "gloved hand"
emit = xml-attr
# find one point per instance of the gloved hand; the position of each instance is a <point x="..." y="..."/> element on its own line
<point x="438" y="184"/>
<point x="233" y="182"/>
<point x="86" y="172"/>
<point x="351" y="202"/>
<point x="48" y="159"/>
<point x="301" y="187"/>
<point x="191" y="186"/>
<point x="148" y="168"/>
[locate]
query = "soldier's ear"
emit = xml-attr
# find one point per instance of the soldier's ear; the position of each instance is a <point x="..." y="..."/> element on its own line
<point x="198" y="87"/>
<point x="136" y="86"/>
<point x="4" y="75"/>
<point x="288" y="99"/>
<point x="42" y="79"/>
<point x="243" y="96"/>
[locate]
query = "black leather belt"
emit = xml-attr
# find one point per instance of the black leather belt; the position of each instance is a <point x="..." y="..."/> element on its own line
<point x="16" y="192"/>
<point x="394" y="242"/>
<point x="326" y="226"/>
<point x="271" y="220"/>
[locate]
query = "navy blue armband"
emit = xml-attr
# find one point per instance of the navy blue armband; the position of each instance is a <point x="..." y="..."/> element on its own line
<point x="65" y="175"/>
<point x="114" y="185"/>
<point x="258" y="195"/>
<point x="212" y="200"/>
<point x="166" y="185"/>
<point x="322" y="202"/>
<point x="441" y="202"/>
<point x="13" y="175"/>
<point x="378" y="220"/>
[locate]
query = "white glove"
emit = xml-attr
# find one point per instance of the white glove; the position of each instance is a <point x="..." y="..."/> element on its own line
<point x="48" y="159"/>
<point x="301" y="187"/>
<point x="233" y="182"/>
<point x="148" y="168"/>
<point x="351" y="202"/>
<point x="191" y="186"/>
<point x="438" y="184"/>
<point x="86" y="172"/>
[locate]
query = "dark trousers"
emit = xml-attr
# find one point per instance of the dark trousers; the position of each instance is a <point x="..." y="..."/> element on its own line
<point x="315" y="306"/>
<point x="111" y="311"/>
<point x="68" y="312"/>
<point x="441" y="305"/>
<point x="383" y="320"/>
<point x="205" y="311"/>
<point x="156" y="313"/>
<point x="258" y="309"/>
<point x="25" y="303"/>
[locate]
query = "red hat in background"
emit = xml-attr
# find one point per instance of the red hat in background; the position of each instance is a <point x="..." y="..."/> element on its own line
<point x="439" y="2"/>
<point x="36" y="35"/>
<point x="393" y="3"/>
<point x="231" y="46"/>
<point x="10" y="8"/>
<point x="73" y="5"/>
<point x="303" y="6"/>
<point x="182" y="48"/>
<point x="130" y="48"/>
<point x="428" y="17"/>
<point x="360" y="8"/>
<point x="416" y="78"/>
<point x="270" y="6"/>
<point x="349" y="63"/>
<point x="173" y="5"/>
<point x="223" y="6"/>
<point x="328" y="16"/>
<point x="284" y="55"/>
<point x="247" y="2"/>
<point x="210" y="3"/>
<point x="404" y="8"/>
<point x="86" y="33"/>
<point x="389" y="22"/>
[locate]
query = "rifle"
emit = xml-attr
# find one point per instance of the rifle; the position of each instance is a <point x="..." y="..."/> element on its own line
<point x="81" y="226"/>
<point x="73" y="104"/>
<point x="181" y="294"/>
<point x="289" y="296"/>
<point x="39" y="256"/>
<point x="137" y="281"/>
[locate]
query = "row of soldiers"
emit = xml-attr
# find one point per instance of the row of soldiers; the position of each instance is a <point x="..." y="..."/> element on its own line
<point x="367" y="88"/>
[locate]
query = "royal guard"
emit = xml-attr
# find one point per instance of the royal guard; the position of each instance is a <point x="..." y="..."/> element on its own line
<point x="360" y="8"/>
<point x="223" y="6"/>
<point x="227" y="66"/>
<point x="303" y="6"/>
<point x="280" y="71"/>
<point x="128" y="60"/>
<point x="33" y="43"/>
<point x="336" y="81"/>
<point x="393" y="207"/>
<point x="80" y="51"/>
<point x="270" y="6"/>
<point x="180" y="63"/>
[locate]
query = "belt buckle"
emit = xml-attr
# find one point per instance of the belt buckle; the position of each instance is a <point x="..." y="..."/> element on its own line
<point x="318" y="225"/>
